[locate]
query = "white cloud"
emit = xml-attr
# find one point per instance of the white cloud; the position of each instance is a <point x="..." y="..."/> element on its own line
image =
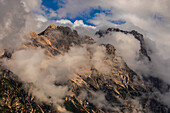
<point x="15" y="21"/>
<point x="33" y="67"/>
<point x="75" y="7"/>
<point x="33" y="5"/>
<point x="41" y="73"/>
<point x="52" y="13"/>
<point x="98" y="59"/>
<point x="41" y="18"/>
<point x="80" y="23"/>
<point x="64" y="21"/>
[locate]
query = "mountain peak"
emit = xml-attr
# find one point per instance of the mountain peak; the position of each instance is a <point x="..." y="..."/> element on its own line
<point x="52" y="26"/>
<point x="33" y="34"/>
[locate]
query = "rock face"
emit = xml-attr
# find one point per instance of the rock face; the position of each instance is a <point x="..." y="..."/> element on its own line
<point x="138" y="36"/>
<point x="119" y="91"/>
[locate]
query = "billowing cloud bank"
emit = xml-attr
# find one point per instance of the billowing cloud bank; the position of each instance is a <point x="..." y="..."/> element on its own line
<point x="41" y="73"/>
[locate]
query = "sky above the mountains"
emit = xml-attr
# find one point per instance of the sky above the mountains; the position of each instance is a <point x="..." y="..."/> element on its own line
<point x="150" y="16"/>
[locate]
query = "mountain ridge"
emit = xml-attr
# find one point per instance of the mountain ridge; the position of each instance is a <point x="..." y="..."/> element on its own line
<point x="136" y="35"/>
<point x="118" y="90"/>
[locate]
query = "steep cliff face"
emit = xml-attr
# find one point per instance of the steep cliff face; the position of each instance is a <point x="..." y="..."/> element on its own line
<point x="107" y="85"/>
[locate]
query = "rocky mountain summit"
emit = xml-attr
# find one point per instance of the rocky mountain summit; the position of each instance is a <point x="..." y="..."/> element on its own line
<point x="103" y="82"/>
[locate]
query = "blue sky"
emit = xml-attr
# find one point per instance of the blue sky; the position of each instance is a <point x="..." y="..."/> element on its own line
<point x="85" y="16"/>
<point x="53" y="4"/>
